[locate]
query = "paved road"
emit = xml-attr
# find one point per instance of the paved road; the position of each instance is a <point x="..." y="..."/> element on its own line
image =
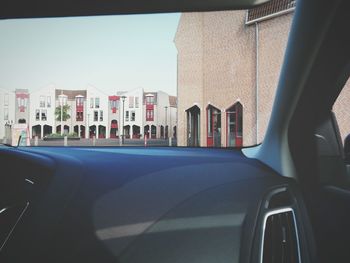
<point x="105" y="142"/>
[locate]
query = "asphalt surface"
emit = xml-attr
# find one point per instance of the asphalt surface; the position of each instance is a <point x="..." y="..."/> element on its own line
<point x="105" y="142"/>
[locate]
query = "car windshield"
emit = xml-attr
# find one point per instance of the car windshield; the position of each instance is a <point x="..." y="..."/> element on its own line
<point x="181" y="79"/>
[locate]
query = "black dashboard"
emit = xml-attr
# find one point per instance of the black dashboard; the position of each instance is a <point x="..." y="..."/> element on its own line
<point x="147" y="205"/>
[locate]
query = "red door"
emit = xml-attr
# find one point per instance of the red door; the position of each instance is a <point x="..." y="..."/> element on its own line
<point x="234" y="126"/>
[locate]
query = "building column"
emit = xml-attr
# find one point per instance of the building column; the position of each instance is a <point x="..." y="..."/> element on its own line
<point x="141" y="130"/>
<point x="203" y="127"/>
<point x="41" y="131"/>
<point x="78" y="130"/>
<point x="97" y="130"/>
<point x="223" y="128"/>
<point x="30" y="131"/>
<point x="158" y="131"/>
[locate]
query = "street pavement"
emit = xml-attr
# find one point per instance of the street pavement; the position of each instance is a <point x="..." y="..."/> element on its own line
<point x="105" y="142"/>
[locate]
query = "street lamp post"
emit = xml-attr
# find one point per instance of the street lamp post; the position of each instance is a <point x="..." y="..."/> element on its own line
<point x="166" y="116"/>
<point x="123" y="99"/>
<point x="88" y="125"/>
<point x="170" y="126"/>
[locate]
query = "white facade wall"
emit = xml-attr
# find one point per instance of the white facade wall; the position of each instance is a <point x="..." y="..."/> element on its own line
<point x="155" y="115"/>
<point x="73" y="121"/>
<point x="7" y="110"/>
<point x="172" y="120"/>
<point x="161" y="112"/>
<point x="132" y="106"/>
<point x="42" y="101"/>
<point x="162" y="116"/>
<point x="101" y="109"/>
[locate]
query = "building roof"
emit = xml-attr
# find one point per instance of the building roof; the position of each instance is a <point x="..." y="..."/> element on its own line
<point x="71" y="94"/>
<point x="22" y="91"/>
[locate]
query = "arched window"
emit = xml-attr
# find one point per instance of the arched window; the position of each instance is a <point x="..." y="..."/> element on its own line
<point x="213" y="126"/>
<point x="234" y="117"/>
<point x="193" y="126"/>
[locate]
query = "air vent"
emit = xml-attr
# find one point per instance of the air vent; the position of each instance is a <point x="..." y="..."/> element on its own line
<point x="280" y="242"/>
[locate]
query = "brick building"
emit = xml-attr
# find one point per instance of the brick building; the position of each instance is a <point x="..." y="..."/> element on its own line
<point x="228" y="68"/>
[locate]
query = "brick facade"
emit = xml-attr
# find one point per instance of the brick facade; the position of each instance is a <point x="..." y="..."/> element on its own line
<point x="341" y="109"/>
<point x="217" y="65"/>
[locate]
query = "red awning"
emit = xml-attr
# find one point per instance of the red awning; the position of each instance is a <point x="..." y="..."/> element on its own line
<point x="22" y="95"/>
<point x="114" y="97"/>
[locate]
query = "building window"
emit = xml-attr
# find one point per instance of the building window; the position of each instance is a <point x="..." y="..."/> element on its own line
<point x="133" y="116"/>
<point x="113" y="104"/>
<point x="42" y="101"/>
<point x="37" y="115"/>
<point x="127" y="116"/>
<point x="234" y="131"/>
<point x="149" y="100"/>
<point x="136" y="102"/>
<point x="6" y="114"/>
<point x="131" y="102"/>
<point x="80" y="116"/>
<point x="6" y="100"/>
<point x="79" y="101"/>
<point x="210" y="120"/>
<point x="91" y="103"/>
<point x="48" y="101"/>
<point x="213" y="126"/>
<point x="101" y="115"/>
<point x="95" y="115"/>
<point x="149" y="115"/>
<point x="97" y="103"/>
<point x="43" y="115"/>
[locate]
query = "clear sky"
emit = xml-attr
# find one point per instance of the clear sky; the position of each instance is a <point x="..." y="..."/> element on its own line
<point x="112" y="53"/>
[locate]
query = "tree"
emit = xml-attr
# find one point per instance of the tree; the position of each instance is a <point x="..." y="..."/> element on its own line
<point x="65" y="115"/>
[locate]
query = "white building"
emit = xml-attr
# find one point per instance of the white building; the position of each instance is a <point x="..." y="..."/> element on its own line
<point x="22" y="106"/>
<point x="152" y="113"/>
<point x="160" y="114"/>
<point x="72" y="102"/>
<point x="97" y="106"/>
<point x="114" y="116"/>
<point x="42" y="112"/>
<point x="133" y="113"/>
<point x="7" y="112"/>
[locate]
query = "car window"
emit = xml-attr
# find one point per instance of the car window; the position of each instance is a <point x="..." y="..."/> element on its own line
<point x="183" y="79"/>
<point x="342" y="113"/>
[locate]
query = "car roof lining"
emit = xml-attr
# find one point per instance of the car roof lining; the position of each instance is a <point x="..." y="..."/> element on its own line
<point x="62" y="8"/>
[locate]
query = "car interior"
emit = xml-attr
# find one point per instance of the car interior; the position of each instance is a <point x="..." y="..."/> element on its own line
<point x="285" y="200"/>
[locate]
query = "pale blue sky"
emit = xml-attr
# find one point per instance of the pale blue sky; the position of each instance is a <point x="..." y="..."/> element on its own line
<point x="112" y="53"/>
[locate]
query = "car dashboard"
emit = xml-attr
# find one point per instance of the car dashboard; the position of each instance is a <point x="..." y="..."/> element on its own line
<point x="148" y="205"/>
